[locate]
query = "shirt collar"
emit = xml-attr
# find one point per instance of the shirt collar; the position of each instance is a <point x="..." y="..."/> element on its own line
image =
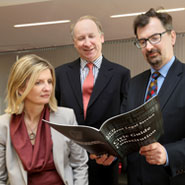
<point x="164" y="70"/>
<point x="97" y="62"/>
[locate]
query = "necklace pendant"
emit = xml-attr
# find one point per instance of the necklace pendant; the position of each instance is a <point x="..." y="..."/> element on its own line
<point x="32" y="136"/>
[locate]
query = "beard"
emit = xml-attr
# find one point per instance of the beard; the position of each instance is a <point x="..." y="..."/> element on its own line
<point x="154" y="58"/>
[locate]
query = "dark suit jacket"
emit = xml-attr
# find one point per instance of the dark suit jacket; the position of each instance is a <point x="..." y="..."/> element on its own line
<point x="172" y="102"/>
<point x="105" y="102"/>
<point x="107" y="95"/>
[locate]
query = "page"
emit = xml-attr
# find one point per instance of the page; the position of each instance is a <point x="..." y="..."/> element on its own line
<point x="129" y="131"/>
<point x="88" y="137"/>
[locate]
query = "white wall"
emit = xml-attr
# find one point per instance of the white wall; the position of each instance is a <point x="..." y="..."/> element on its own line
<point x="119" y="51"/>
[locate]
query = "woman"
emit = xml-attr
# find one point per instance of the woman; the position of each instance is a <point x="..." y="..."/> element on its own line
<point x="30" y="151"/>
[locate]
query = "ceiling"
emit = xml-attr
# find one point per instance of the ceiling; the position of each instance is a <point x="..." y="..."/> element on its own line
<point x="28" y="11"/>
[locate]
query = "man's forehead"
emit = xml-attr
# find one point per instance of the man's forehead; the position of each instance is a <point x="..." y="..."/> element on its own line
<point x="85" y="29"/>
<point x="85" y="23"/>
<point x="154" y="26"/>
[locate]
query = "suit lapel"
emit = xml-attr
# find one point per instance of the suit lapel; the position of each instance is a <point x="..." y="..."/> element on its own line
<point x="104" y="76"/>
<point x="143" y="83"/>
<point x="24" y="173"/>
<point x="73" y="74"/>
<point x="140" y="85"/>
<point x="172" y="79"/>
<point x="169" y="84"/>
<point x="58" y="151"/>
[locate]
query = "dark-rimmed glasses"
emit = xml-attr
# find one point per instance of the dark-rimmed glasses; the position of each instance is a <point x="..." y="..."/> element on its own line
<point x="153" y="39"/>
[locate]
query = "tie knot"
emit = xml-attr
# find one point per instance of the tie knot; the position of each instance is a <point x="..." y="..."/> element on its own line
<point x="155" y="75"/>
<point x="89" y="65"/>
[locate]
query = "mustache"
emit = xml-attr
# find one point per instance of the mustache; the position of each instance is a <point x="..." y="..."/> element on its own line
<point x="153" y="51"/>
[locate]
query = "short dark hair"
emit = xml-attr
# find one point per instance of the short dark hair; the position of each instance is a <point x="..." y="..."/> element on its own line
<point x="143" y="19"/>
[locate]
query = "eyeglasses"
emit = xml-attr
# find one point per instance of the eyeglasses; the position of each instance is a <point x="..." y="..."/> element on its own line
<point x="153" y="39"/>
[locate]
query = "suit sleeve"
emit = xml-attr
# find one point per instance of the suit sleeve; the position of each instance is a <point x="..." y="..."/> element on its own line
<point x="176" y="154"/>
<point x="57" y="87"/>
<point x="125" y="86"/>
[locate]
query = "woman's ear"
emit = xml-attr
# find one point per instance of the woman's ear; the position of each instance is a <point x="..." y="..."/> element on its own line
<point x="20" y="91"/>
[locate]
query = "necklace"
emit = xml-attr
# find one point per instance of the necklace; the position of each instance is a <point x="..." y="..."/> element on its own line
<point x="32" y="135"/>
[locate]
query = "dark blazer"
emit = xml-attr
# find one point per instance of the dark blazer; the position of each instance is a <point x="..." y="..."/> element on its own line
<point x="172" y="102"/>
<point x="108" y="93"/>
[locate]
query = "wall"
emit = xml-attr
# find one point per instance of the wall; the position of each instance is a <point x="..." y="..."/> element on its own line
<point x="120" y="51"/>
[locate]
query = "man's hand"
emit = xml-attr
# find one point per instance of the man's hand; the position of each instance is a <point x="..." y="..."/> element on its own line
<point x="104" y="159"/>
<point x="154" y="153"/>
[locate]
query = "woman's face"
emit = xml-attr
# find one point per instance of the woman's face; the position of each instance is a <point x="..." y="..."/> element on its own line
<point x="41" y="92"/>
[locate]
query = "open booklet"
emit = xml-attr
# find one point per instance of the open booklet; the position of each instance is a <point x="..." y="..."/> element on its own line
<point x="121" y="134"/>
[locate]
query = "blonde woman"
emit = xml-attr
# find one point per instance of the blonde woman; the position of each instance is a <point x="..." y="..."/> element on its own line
<point x="32" y="153"/>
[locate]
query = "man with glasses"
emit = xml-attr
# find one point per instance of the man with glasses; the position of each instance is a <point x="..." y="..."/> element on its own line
<point x="162" y="162"/>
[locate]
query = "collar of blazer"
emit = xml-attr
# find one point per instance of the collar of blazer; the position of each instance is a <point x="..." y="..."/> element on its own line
<point x="104" y="76"/>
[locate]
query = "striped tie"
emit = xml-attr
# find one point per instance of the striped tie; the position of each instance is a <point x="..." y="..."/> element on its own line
<point x="152" y="89"/>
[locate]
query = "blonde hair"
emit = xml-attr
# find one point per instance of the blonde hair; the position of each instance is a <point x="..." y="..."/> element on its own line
<point x="26" y="68"/>
<point x="89" y="17"/>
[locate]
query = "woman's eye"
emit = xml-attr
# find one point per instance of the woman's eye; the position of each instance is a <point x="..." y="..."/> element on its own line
<point x="50" y="81"/>
<point x="37" y="83"/>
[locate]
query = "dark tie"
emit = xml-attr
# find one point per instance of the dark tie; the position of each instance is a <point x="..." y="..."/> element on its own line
<point x="88" y="87"/>
<point x="152" y="89"/>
